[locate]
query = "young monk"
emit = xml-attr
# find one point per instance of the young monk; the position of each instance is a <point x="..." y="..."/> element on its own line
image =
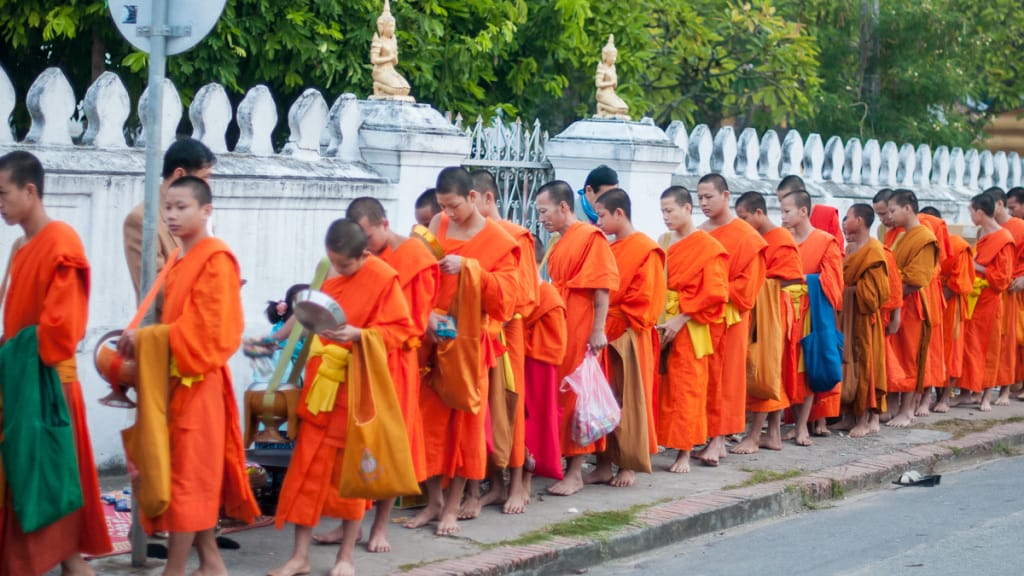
<point x="727" y="391"/>
<point x="582" y="267"/>
<point x="993" y="267"/>
<point x="515" y="500"/>
<point x="698" y="271"/>
<point x="1015" y="206"/>
<point x="375" y="310"/>
<point x="819" y="254"/>
<point x="202" y="326"/>
<point x="916" y="250"/>
<point x="478" y="291"/>
<point x="784" y="272"/>
<point x="867" y="288"/>
<point x="418" y="275"/>
<point x="427" y="207"/>
<point x="633" y="311"/>
<point x="1007" y="374"/>
<point x="823" y="217"/>
<point x="892" y="310"/>
<point x="49" y="289"/>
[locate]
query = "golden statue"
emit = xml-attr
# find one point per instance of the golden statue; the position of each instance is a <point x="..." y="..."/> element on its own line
<point x="388" y="84"/>
<point x="609" y="105"/>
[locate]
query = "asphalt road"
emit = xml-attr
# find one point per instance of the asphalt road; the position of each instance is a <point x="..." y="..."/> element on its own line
<point x="972" y="523"/>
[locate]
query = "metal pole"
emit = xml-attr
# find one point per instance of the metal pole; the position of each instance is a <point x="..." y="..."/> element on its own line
<point x="151" y="213"/>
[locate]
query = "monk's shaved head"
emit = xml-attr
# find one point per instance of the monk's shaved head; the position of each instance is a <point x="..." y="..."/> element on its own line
<point x="716" y="181"/>
<point x="904" y="198"/>
<point x="197" y="187"/>
<point x="931" y="211"/>
<point x="679" y="194"/>
<point x="616" y="199"/>
<point x="454" y="180"/>
<point x="366" y="207"/>
<point x="23" y="168"/>
<point x="865" y="213"/>
<point x="346" y="237"/>
<point x="801" y="199"/>
<point x="985" y="203"/>
<point x="882" y="196"/>
<point x="483" y="182"/>
<point x="997" y="194"/>
<point x="752" y="202"/>
<point x="559" y="192"/>
<point x="790" y="183"/>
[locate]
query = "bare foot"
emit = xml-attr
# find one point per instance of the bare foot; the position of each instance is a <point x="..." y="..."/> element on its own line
<point x="571" y="484"/>
<point x="624" y="479"/>
<point x="749" y="445"/>
<point x="711" y="453"/>
<point x="902" y="420"/>
<point x="922" y="410"/>
<point x="496" y="495"/>
<point x="470" y="508"/>
<point x="885" y="418"/>
<point x="75" y="565"/>
<point x="942" y="406"/>
<point x="343" y="568"/>
<point x="965" y="399"/>
<point x="802" y="437"/>
<point x="1004" y="397"/>
<point x="378" y="543"/>
<point x="874" y="423"/>
<point x="332" y="537"/>
<point x="293" y="567"/>
<point x="770" y="441"/>
<point x="860" y="429"/>
<point x="601" y="475"/>
<point x="1020" y="396"/>
<point x="846" y="424"/>
<point x="426" y="516"/>
<point x="682" y="463"/>
<point x="448" y="525"/>
<point x="821" y="430"/>
<point x="789" y="435"/>
<point x="516" y="502"/>
<point x="986" y="404"/>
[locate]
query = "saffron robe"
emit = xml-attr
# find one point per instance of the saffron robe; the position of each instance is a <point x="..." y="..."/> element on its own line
<point x="49" y="288"/>
<point x="203" y="309"/>
<point x="373" y="300"/>
<point x="917" y="256"/>
<point x="820" y="254"/>
<point x="826" y="219"/>
<point x="636" y="305"/>
<point x="698" y="271"/>
<point x="866" y="276"/>
<point x="456" y="441"/>
<point x="419" y="276"/>
<point x="982" y="339"/>
<point x="782" y="263"/>
<point x="727" y="390"/>
<point x="1007" y="373"/>
<point x="580" y="263"/>
<point x="957" y="274"/>
<point x="545" y="337"/>
<point x="893" y="370"/>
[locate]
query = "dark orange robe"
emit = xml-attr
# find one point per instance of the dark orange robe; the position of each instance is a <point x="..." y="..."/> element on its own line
<point x="636" y="305"/>
<point x="958" y="276"/>
<point x="866" y="276"/>
<point x="820" y="254"/>
<point x="782" y="263"/>
<point x="419" y="276"/>
<point x="372" y="299"/>
<point x="515" y="343"/>
<point x="203" y="307"/>
<point x="893" y="370"/>
<point x="546" y="327"/>
<point x="455" y="440"/>
<point x="698" y="270"/>
<point x="49" y="288"/>
<point x="727" y="389"/>
<point x="982" y="340"/>
<point x="580" y="263"/>
<point x="1007" y="373"/>
<point x="917" y="256"/>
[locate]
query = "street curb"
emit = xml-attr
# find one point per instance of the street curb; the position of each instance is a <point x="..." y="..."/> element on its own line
<point x="668" y="523"/>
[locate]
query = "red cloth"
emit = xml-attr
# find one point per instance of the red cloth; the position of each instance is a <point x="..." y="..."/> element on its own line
<point x="542" y="418"/>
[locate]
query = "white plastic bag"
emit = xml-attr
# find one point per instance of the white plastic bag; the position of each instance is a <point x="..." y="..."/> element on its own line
<point x="597" y="412"/>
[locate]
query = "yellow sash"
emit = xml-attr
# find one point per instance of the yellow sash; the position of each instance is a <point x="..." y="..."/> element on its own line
<point x="980" y="284"/>
<point x="797" y="292"/>
<point x="506" y="364"/>
<point x="731" y="314"/>
<point x="332" y="372"/>
<point x="186" y="381"/>
<point x="700" y="335"/>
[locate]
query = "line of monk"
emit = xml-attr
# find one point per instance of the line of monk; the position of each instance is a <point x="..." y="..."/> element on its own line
<point x="733" y="326"/>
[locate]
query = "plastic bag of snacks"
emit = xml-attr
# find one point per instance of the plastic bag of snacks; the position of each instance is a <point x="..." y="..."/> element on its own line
<point x="597" y="412"/>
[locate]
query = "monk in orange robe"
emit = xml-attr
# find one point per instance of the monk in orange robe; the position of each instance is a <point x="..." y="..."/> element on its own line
<point x="49" y="289"/>
<point x="514" y="502"/>
<point x="993" y="266"/>
<point x="698" y="276"/>
<point x="1015" y="207"/>
<point x="866" y="279"/>
<point x="479" y="288"/>
<point x="374" y="307"/>
<point x="784" y="271"/>
<point x="418" y="275"/>
<point x="633" y="311"/>
<point x="819" y="254"/>
<point x="917" y="254"/>
<point x="1007" y="374"/>
<point x="203" y="315"/>
<point x="546" y="335"/>
<point x="727" y="390"/>
<point x="823" y="217"/>
<point x="582" y="267"/>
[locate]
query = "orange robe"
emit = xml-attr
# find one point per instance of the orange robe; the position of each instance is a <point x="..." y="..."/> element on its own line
<point x="203" y="307"/>
<point x="515" y="338"/>
<point x="419" y="276"/>
<point x="782" y="263"/>
<point x="826" y="219"/>
<point x="727" y="389"/>
<point x="982" y="339"/>
<point x="636" y="305"/>
<point x="456" y="441"/>
<point x="957" y="276"/>
<point x="820" y="254"/>
<point x="917" y="256"/>
<point x="1007" y="374"/>
<point x="545" y="337"/>
<point x="698" y="270"/>
<point x="546" y="328"/>
<point x="372" y="299"/>
<point x="49" y="288"/>
<point x="867" y="279"/>
<point x="580" y="263"/>
<point x="893" y="370"/>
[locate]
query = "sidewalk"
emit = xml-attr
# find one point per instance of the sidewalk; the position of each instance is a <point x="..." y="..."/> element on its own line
<point x="557" y="534"/>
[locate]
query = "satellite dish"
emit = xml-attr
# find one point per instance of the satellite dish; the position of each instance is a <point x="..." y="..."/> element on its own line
<point x="188" y="22"/>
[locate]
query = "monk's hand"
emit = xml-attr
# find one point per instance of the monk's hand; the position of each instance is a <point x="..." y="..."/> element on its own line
<point x="598" y="341"/>
<point x="1017" y="285"/>
<point x="433" y="323"/>
<point x="451" y="264"/>
<point x="671" y="327"/>
<point x="343" y="334"/>
<point x="126" y="344"/>
<point x="894" y="325"/>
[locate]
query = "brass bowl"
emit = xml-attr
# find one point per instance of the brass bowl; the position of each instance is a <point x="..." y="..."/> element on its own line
<point x="424" y="234"/>
<point x="317" y="311"/>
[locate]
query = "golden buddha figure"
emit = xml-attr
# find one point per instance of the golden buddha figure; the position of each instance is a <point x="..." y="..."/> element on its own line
<point x="609" y="105"/>
<point x="388" y="84"/>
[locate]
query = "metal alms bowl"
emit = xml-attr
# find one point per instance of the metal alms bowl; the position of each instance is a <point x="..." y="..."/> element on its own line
<point x="317" y="311"/>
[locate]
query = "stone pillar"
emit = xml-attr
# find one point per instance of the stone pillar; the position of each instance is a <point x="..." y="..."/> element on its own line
<point x="642" y="154"/>
<point x="408" y="144"/>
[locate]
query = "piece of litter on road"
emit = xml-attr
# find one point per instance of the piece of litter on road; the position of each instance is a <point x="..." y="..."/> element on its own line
<point x="915" y="478"/>
<point x="573" y="511"/>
